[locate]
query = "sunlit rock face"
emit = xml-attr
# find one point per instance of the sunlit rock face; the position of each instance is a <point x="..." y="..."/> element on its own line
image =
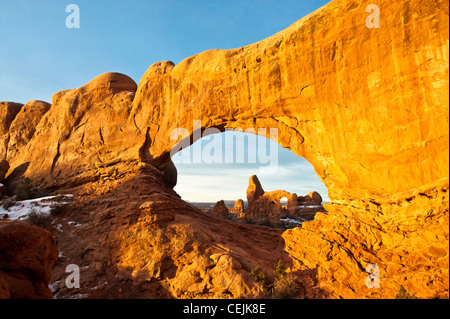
<point x="367" y="107"/>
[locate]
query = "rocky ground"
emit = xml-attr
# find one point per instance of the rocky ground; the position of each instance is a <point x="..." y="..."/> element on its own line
<point x="158" y="246"/>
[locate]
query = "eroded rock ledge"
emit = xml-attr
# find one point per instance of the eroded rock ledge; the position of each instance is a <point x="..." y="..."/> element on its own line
<point x="368" y="108"/>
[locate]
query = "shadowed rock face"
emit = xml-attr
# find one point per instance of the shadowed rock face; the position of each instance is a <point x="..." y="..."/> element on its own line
<point x="4" y="167"/>
<point x="27" y="254"/>
<point x="220" y="210"/>
<point x="366" y="107"/>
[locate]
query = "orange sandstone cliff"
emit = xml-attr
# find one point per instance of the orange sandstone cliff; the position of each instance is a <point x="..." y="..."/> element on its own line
<point x="368" y="108"/>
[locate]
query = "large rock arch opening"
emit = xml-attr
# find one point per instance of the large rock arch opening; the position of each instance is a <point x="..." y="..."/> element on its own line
<point x="216" y="169"/>
<point x="235" y="156"/>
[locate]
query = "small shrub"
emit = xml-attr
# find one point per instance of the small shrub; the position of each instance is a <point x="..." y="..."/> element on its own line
<point x="56" y="210"/>
<point x="267" y="223"/>
<point x="7" y="203"/>
<point x="280" y="271"/>
<point x="59" y="199"/>
<point x="259" y="276"/>
<point x="249" y="221"/>
<point x="403" y="294"/>
<point x="37" y="217"/>
<point x="25" y="190"/>
<point x="285" y="287"/>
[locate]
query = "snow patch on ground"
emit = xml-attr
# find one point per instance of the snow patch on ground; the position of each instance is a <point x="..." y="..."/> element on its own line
<point x="99" y="286"/>
<point x="290" y="220"/>
<point x="79" y="296"/>
<point x="310" y="206"/>
<point x="43" y="205"/>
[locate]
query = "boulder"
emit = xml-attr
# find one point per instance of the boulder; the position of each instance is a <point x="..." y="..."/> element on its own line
<point x="312" y="199"/>
<point x="27" y="254"/>
<point x="170" y="175"/>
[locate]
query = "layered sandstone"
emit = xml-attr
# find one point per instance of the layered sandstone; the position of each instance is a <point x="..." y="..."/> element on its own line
<point x="368" y="108"/>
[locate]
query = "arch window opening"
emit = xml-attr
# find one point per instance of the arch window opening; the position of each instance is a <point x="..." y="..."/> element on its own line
<point x="249" y="178"/>
<point x="283" y="202"/>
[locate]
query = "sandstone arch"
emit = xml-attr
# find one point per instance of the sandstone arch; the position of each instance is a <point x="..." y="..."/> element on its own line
<point x="302" y="81"/>
<point x="366" y="107"/>
<point x="366" y="142"/>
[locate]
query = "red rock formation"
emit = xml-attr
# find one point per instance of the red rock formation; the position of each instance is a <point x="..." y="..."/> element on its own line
<point x="238" y="207"/>
<point x="312" y="198"/>
<point x="254" y="189"/>
<point x="302" y="81"/>
<point x="267" y="208"/>
<point x="148" y="243"/>
<point x="27" y="254"/>
<point x="23" y="126"/>
<point x="8" y="112"/>
<point x="368" y="108"/>
<point x="220" y="210"/>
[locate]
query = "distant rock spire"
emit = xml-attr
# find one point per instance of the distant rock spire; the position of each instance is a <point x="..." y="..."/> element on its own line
<point x="254" y="189"/>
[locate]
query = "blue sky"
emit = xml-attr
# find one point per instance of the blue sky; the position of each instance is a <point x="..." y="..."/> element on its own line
<point x="40" y="56"/>
<point x="212" y="181"/>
